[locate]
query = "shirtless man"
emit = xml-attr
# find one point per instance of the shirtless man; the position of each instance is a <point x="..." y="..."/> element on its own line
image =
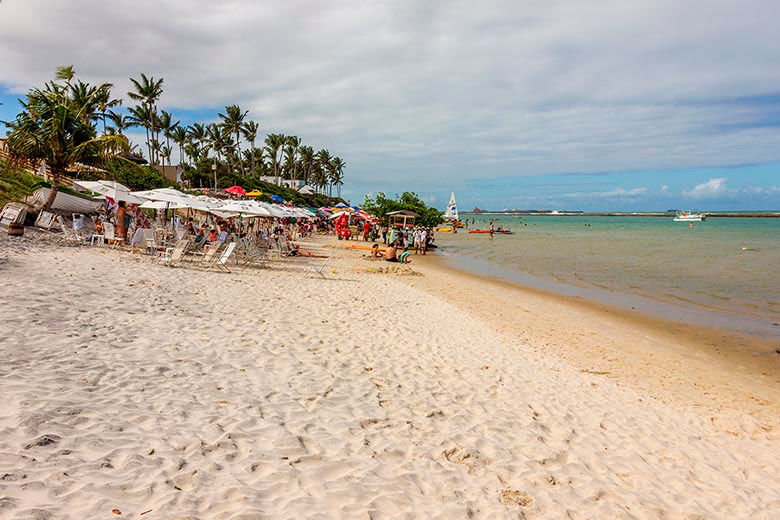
<point x="390" y="253"/>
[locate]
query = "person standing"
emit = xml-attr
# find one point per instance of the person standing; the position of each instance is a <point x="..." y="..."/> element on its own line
<point x="423" y="240"/>
<point x="122" y="220"/>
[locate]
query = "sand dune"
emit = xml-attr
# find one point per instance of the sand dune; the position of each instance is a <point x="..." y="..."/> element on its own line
<point x="172" y="393"/>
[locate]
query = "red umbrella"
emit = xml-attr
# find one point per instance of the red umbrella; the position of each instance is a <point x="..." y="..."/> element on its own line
<point x="236" y="190"/>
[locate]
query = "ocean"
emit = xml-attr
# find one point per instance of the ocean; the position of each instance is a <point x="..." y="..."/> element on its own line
<point x="723" y="272"/>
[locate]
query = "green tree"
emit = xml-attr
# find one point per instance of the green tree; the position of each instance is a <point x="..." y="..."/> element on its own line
<point x="148" y="91"/>
<point x="250" y="129"/>
<point x="56" y="126"/>
<point x="232" y="122"/>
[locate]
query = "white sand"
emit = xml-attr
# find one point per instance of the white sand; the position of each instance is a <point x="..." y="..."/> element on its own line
<point x="265" y="394"/>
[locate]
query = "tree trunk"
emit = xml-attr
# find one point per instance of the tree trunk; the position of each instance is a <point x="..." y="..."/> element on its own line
<point x="55" y="180"/>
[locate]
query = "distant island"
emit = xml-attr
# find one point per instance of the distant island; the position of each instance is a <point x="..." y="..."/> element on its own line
<point x="579" y="213"/>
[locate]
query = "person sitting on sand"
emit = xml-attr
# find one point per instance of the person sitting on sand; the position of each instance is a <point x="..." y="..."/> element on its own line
<point x="404" y="258"/>
<point x="375" y="251"/>
<point x="390" y="253"/>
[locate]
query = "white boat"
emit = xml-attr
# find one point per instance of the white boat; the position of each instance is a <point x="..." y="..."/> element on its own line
<point x="452" y="209"/>
<point x="686" y="216"/>
<point x="65" y="202"/>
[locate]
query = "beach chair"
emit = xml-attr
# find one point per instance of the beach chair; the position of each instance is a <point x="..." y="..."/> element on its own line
<point x="70" y="234"/>
<point x="150" y="241"/>
<point x="173" y="255"/>
<point x="317" y="269"/>
<point x="222" y="261"/>
<point x="109" y="235"/>
<point x="211" y="255"/>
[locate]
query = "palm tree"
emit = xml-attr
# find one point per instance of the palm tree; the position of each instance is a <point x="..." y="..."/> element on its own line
<point x="167" y="125"/>
<point x="179" y="136"/>
<point x="232" y="122"/>
<point x="141" y="115"/>
<point x="148" y="91"/>
<point x="120" y="121"/>
<point x="294" y="144"/>
<point x="274" y="145"/>
<point x="337" y="173"/>
<point x="306" y="162"/>
<point x="249" y="129"/>
<point x="55" y="127"/>
<point x="165" y="151"/>
<point x="323" y="159"/>
<point x="198" y="134"/>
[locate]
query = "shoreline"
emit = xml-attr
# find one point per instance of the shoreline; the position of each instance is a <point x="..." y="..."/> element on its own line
<point x="720" y="372"/>
<point x="268" y="393"/>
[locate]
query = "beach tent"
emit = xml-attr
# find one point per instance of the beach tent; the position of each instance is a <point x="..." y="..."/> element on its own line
<point x="110" y="189"/>
<point x="236" y="190"/>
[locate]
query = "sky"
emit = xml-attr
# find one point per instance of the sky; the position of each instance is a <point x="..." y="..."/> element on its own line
<point x="557" y="104"/>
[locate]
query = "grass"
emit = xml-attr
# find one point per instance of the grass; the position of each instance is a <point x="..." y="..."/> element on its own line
<point x="15" y="183"/>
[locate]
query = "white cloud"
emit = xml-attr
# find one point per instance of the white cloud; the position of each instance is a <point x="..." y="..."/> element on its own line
<point x="616" y="193"/>
<point x="409" y="93"/>
<point x="665" y="189"/>
<point x="712" y="189"/>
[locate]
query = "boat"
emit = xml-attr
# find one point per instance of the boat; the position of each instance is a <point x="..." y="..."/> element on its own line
<point x="452" y="209"/>
<point x="499" y="231"/>
<point x="686" y="216"/>
<point x="66" y="202"/>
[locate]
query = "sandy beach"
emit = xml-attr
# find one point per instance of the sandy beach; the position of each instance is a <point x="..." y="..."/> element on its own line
<point x="134" y="390"/>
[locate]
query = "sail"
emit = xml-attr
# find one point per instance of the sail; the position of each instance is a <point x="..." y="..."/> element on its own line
<point x="452" y="209"/>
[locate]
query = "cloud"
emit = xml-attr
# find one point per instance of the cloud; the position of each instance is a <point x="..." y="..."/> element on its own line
<point x="712" y="189"/>
<point x="420" y="94"/>
<point x="616" y="193"/>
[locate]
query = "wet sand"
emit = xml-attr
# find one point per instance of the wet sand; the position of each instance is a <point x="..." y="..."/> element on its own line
<point x="732" y="377"/>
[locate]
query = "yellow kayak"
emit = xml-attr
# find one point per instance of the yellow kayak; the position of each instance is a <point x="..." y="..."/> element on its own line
<point x="444" y="230"/>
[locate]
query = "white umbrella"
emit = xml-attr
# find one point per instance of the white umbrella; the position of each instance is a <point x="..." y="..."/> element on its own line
<point x="247" y="208"/>
<point x="182" y="200"/>
<point x="111" y="189"/>
<point x="158" y="204"/>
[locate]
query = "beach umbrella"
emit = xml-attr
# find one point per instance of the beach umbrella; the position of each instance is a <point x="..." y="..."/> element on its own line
<point x="254" y="193"/>
<point x="246" y="208"/>
<point x="236" y="190"/>
<point x="110" y="189"/>
<point x="157" y="204"/>
<point x="276" y="198"/>
<point x="182" y="200"/>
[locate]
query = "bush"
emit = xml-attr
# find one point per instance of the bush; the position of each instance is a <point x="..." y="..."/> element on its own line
<point x="381" y="205"/>
<point x="15" y="183"/>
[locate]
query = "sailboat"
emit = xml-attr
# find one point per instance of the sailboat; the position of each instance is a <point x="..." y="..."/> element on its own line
<point x="452" y="209"/>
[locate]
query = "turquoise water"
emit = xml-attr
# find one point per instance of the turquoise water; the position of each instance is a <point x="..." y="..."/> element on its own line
<point x="724" y="270"/>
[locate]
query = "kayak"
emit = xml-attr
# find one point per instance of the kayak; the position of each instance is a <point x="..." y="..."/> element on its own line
<point x="487" y="231"/>
<point x="444" y="230"/>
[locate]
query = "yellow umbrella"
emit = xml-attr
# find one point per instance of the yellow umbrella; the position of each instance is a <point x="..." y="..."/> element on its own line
<point x="254" y="193"/>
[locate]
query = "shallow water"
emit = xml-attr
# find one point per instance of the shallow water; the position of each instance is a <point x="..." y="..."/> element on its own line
<point x="724" y="271"/>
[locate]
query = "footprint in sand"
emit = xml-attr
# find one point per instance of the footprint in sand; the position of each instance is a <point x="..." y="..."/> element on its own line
<point x="472" y="459"/>
<point x="512" y="497"/>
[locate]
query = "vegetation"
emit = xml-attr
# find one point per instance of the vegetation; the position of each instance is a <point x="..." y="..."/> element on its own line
<point x="381" y="205"/>
<point x="216" y="148"/>
<point x="15" y="183"/>
<point x="57" y="125"/>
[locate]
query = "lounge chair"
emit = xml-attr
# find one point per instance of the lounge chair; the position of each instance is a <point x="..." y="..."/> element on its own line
<point x="150" y="241"/>
<point x="222" y="261"/>
<point x="211" y="255"/>
<point x="173" y="255"/>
